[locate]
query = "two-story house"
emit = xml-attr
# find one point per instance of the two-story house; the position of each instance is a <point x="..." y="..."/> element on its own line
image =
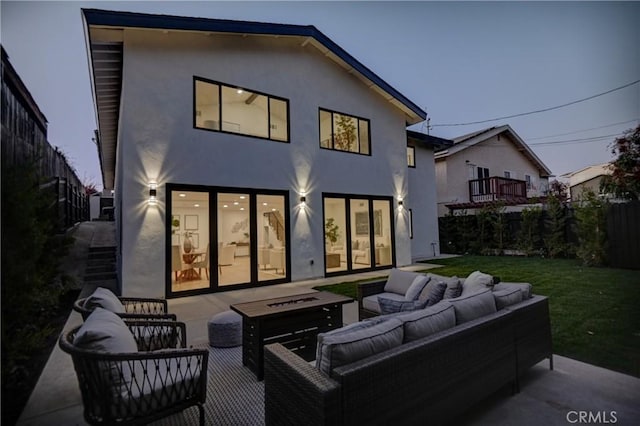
<point x="245" y="154"/>
<point x="587" y="178"/>
<point x="489" y="165"/>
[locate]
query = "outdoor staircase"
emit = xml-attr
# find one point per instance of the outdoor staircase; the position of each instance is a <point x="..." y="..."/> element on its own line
<point x="101" y="264"/>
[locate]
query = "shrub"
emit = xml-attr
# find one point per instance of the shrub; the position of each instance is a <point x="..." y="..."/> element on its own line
<point x="591" y="217"/>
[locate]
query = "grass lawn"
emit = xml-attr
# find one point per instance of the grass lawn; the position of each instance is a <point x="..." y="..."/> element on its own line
<point x="595" y="312"/>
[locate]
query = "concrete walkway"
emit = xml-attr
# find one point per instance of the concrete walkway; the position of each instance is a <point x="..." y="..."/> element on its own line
<point x="557" y="397"/>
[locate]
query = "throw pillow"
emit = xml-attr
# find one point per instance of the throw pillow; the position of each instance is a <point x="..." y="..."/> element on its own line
<point x="426" y="322"/>
<point x="454" y="286"/>
<point x="433" y="292"/>
<point x="399" y="281"/>
<point x="477" y="281"/>
<point x="390" y="306"/>
<point x="473" y="306"/>
<point x="339" y="348"/>
<point x="416" y="287"/>
<point x="104" y="298"/>
<point x="507" y="297"/>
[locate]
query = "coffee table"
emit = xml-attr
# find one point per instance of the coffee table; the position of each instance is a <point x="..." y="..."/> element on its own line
<point x="293" y="321"/>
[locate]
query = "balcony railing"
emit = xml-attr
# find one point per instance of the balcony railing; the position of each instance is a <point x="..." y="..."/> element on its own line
<point x="496" y="188"/>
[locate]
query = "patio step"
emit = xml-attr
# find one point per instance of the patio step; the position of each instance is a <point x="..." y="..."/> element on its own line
<point x="101" y="264"/>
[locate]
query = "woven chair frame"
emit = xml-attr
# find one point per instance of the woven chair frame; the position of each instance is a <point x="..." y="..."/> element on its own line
<point x="139" y="387"/>
<point x="136" y="308"/>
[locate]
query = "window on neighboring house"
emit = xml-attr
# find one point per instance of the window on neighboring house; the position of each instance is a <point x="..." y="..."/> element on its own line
<point x="507" y="174"/>
<point x="344" y="132"/>
<point x="527" y="178"/>
<point x="411" y="156"/>
<point x="230" y="109"/>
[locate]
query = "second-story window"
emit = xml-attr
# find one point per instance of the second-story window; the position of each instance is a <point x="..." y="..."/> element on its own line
<point x="411" y="156"/>
<point x="224" y="108"/>
<point x="344" y="132"/>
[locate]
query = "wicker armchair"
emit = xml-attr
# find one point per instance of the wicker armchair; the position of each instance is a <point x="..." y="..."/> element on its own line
<point x="140" y="387"/>
<point x="136" y="308"/>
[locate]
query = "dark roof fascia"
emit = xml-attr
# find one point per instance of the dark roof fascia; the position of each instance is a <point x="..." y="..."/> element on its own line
<point x="429" y="141"/>
<point x="170" y="22"/>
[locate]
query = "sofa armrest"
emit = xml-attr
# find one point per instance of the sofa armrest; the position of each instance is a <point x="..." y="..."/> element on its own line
<point x="297" y="393"/>
<point x="369" y="288"/>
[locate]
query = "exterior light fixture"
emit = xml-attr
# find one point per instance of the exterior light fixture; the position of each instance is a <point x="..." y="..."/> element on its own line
<point x="153" y="192"/>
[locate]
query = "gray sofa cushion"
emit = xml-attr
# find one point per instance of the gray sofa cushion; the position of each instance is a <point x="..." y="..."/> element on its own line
<point x="104" y="298"/>
<point x="473" y="306"/>
<point x="422" y="323"/>
<point x="371" y="302"/>
<point x="454" y="285"/>
<point x="507" y="297"/>
<point x="340" y="347"/>
<point x="416" y="287"/>
<point x="399" y="281"/>
<point x="390" y="306"/>
<point x="476" y="282"/>
<point x="525" y="288"/>
<point x="433" y="292"/>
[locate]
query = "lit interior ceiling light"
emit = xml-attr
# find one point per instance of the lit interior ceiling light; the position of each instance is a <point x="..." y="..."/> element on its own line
<point x="196" y="205"/>
<point x="242" y="197"/>
<point x="225" y="206"/>
<point x="264" y="204"/>
<point x="239" y="91"/>
<point x="241" y="208"/>
<point x="182" y="195"/>
<point x="235" y="203"/>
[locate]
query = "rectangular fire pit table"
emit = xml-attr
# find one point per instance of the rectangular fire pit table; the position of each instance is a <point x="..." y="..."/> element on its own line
<point x="293" y="321"/>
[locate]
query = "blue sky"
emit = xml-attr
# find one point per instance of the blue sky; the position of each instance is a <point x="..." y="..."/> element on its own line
<point x="462" y="62"/>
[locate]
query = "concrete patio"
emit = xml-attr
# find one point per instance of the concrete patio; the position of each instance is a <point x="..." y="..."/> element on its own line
<point x="573" y="392"/>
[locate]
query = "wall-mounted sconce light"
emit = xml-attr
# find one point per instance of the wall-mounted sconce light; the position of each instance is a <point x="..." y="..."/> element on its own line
<point x="153" y="192"/>
<point x="400" y="202"/>
<point x="303" y="199"/>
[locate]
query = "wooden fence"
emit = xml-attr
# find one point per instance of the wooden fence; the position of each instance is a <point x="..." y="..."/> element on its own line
<point x="623" y="233"/>
<point x="461" y="234"/>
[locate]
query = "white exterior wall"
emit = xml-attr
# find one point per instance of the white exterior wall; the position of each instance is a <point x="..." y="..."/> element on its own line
<point x="158" y="142"/>
<point x="498" y="155"/>
<point x="422" y="202"/>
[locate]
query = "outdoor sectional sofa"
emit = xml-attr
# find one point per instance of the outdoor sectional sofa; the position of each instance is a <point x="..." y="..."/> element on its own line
<point x="411" y="379"/>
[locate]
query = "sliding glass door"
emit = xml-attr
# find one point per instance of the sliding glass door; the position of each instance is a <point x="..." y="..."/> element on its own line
<point x="224" y="238"/>
<point x="358" y="233"/>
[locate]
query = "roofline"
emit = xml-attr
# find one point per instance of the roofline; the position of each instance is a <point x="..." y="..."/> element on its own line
<point x="171" y="22"/>
<point x="428" y="140"/>
<point x="465" y="142"/>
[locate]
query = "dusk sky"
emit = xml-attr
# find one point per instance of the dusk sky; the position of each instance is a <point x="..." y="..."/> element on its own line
<point x="461" y="62"/>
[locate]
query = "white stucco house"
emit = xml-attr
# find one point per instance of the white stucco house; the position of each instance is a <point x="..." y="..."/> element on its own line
<point x="489" y="165"/>
<point x="245" y="154"/>
<point x="587" y="178"/>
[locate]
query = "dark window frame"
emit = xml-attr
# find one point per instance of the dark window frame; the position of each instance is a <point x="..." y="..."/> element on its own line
<point x="235" y="87"/>
<point x="414" y="157"/>
<point x="357" y="118"/>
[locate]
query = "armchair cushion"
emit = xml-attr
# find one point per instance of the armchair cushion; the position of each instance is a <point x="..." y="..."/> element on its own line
<point x="416" y="287"/>
<point x="399" y="281"/>
<point x="360" y="340"/>
<point x="104" y="298"/>
<point x="390" y="306"/>
<point x="105" y="331"/>
<point x="473" y="306"/>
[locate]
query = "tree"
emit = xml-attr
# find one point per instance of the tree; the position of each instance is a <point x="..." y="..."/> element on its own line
<point x="591" y="223"/>
<point x="624" y="182"/>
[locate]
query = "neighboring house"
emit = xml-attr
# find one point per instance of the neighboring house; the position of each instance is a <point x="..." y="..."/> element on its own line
<point x="245" y="154"/>
<point x="489" y="165"/>
<point x="588" y="178"/>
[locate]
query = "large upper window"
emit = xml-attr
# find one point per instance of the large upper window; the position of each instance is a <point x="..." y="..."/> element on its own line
<point x="411" y="156"/>
<point x="225" y="108"/>
<point x="344" y="132"/>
